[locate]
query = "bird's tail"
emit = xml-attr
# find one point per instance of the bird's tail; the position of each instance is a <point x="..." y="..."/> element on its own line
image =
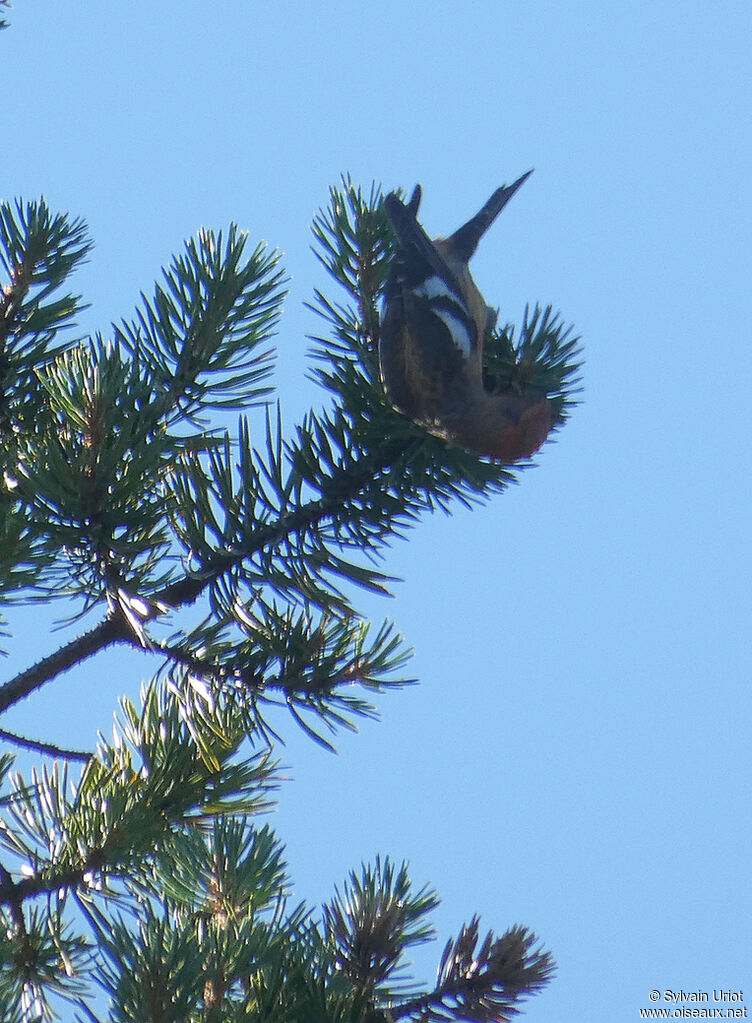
<point x="464" y="241"/>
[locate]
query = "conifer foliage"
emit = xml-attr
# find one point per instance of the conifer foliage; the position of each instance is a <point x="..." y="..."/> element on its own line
<point x="232" y="560"/>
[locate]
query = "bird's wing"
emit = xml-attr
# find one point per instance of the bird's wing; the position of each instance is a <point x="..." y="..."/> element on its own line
<point x="427" y="286"/>
<point x="424" y="260"/>
<point x="419" y="354"/>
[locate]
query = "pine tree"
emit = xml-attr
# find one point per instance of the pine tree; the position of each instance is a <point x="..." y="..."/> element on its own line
<point x="234" y="561"/>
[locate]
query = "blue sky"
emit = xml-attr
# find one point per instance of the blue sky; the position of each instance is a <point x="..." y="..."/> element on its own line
<point x="576" y="757"/>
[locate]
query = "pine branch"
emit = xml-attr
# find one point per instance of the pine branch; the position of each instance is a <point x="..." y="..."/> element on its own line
<point x="166" y="769"/>
<point x="12" y="892"/>
<point x="482" y="985"/>
<point x="349" y="482"/>
<point x="38" y="252"/>
<point x="185" y="591"/>
<point x="199" y="339"/>
<point x="372" y="923"/>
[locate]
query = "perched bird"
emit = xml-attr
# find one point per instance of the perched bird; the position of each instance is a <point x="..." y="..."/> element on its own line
<point x="433" y="330"/>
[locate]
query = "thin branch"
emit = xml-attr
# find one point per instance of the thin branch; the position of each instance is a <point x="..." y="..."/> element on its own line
<point x="45" y="747"/>
<point x="112" y="630"/>
<point x="13" y="901"/>
<point x="203" y="667"/>
<point x="15" y="892"/>
<point x="343" y="486"/>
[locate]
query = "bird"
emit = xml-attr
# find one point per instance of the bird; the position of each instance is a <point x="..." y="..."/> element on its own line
<point x="433" y="329"/>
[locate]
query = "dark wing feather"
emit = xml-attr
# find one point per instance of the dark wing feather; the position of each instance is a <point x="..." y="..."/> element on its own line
<point x="418" y="355"/>
<point x="416" y="263"/>
<point x="425" y="260"/>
